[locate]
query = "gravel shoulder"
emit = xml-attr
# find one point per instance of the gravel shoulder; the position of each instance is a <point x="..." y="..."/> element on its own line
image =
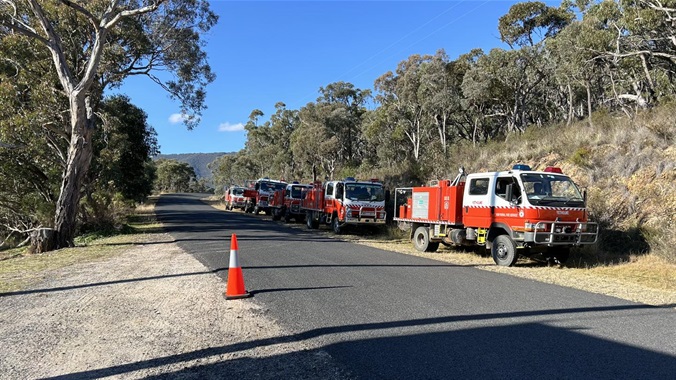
<point x="152" y="311"/>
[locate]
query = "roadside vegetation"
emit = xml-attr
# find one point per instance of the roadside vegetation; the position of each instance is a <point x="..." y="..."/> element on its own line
<point x="19" y="268"/>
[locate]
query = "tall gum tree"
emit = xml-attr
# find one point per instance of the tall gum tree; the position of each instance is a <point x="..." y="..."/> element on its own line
<point x="112" y="40"/>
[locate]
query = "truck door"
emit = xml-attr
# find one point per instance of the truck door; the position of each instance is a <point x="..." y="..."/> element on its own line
<point x="477" y="205"/>
<point x="505" y="210"/>
<point x="328" y="197"/>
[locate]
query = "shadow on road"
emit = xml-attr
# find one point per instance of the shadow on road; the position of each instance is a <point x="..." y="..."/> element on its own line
<point x="517" y="350"/>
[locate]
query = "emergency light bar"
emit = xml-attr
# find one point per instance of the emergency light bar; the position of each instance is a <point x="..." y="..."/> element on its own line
<point x="521" y="167"/>
<point x="553" y="169"/>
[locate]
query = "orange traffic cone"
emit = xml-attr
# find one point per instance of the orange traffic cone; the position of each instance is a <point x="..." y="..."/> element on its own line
<point x="235" y="287"/>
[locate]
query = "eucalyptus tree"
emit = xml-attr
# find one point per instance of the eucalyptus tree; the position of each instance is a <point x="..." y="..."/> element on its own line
<point x="314" y="147"/>
<point x="400" y="97"/>
<point x="282" y="124"/>
<point x="174" y="176"/>
<point x="529" y="23"/>
<point x="643" y="49"/>
<point x="345" y="107"/>
<point x="260" y="144"/>
<point x="441" y="93"/>
<point x="578" y="68"/>
<point x="94" y="45"/>
<point x="507" y="83"/>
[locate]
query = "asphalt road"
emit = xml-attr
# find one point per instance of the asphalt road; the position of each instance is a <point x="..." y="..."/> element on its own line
<point x="385" y="315"/>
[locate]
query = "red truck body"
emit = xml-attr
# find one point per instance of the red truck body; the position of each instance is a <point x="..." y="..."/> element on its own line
<point x="286" y="203"/>
<point x="260" y="196"/>
<point x="511" y="213"/>
<point x="342" y="203"/>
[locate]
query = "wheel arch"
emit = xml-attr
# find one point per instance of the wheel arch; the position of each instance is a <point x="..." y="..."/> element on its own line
<point x="495" y="230"/>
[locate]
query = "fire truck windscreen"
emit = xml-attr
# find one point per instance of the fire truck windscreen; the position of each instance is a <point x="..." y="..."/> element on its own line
<point x="551" y="190"/>
<point x="237" y="191"/>
<point x="269" y="187"/>
<point x="364" y="192"/>
<point x="296" y="191"/>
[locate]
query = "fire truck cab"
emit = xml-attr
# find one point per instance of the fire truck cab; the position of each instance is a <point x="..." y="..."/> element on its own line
<point x="342" y="203"/>
<point x="265" y="188"/>
<point x="510" y="213"/>
<point x="286" y="203"/>
<point x="234" y="198"/>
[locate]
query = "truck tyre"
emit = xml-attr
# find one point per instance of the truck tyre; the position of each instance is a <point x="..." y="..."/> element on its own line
<point x="256" y="210"/>
<point x="335" y="225"/>
<point x="276" y="214"/>
<point x="287" y="217"/>
<point x="421" y="240"/>
<point x="311" y="223"/>
<point x="504" y="251"/>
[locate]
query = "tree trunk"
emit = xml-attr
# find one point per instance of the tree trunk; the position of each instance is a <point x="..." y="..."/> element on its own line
<point x="589" y="104"/>
<point x="40" y="240"/>
<point x="571" y="112"/>
<point x="80" y="154"/>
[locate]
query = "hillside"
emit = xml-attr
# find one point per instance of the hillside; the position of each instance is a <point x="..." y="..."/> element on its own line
<point x="199" y="161"/>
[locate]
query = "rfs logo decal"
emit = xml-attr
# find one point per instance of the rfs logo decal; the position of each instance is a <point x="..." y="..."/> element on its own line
<point x="521" y="214"/>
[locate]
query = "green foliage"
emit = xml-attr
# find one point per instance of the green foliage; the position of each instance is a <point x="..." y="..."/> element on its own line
<point x="174" y="177"/>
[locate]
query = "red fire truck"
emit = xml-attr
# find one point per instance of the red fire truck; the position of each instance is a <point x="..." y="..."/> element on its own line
<point x="265" y="188"/>
<point x="286" y="203"/>
<point x="234" y="198"/>
<point x="511" y="213"/>
<point x="341" y="203"/>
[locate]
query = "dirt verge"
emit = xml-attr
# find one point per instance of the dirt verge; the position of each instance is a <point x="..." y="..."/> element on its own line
<point x="152" y="311"/>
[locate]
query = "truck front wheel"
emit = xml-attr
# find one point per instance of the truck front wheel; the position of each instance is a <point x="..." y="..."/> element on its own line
<point x="503" y="251"/>
<point x="335" y="225"/>
<point x="421" y="240"/>
<point x="276" y="214"/>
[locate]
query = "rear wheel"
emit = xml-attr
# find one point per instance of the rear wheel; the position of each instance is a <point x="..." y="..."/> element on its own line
<point x="421" y="240"/>
<point x="287" y="217"/>
<point x="311" y="223"/>
<point x="503" y="251"/>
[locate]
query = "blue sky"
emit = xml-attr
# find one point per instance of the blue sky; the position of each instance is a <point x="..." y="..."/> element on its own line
<point x="264" y="52"/>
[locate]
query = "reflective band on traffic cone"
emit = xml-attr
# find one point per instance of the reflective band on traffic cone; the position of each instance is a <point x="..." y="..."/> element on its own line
<point x="235" y="288"/>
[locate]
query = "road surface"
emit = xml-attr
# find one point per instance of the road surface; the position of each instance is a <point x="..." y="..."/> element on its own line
<point x="385" y="315"/>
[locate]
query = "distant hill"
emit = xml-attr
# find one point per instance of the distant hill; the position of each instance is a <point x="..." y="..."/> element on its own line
<point x="198" y="161"/>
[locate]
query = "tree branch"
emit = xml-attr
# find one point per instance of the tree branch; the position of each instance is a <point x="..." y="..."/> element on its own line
<point x="55" y="46"/>
<point x="132" y="12"/>
<point x="82" y="10"/>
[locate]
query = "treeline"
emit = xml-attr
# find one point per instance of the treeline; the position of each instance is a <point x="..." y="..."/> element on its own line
<point x="564" y="64"/>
